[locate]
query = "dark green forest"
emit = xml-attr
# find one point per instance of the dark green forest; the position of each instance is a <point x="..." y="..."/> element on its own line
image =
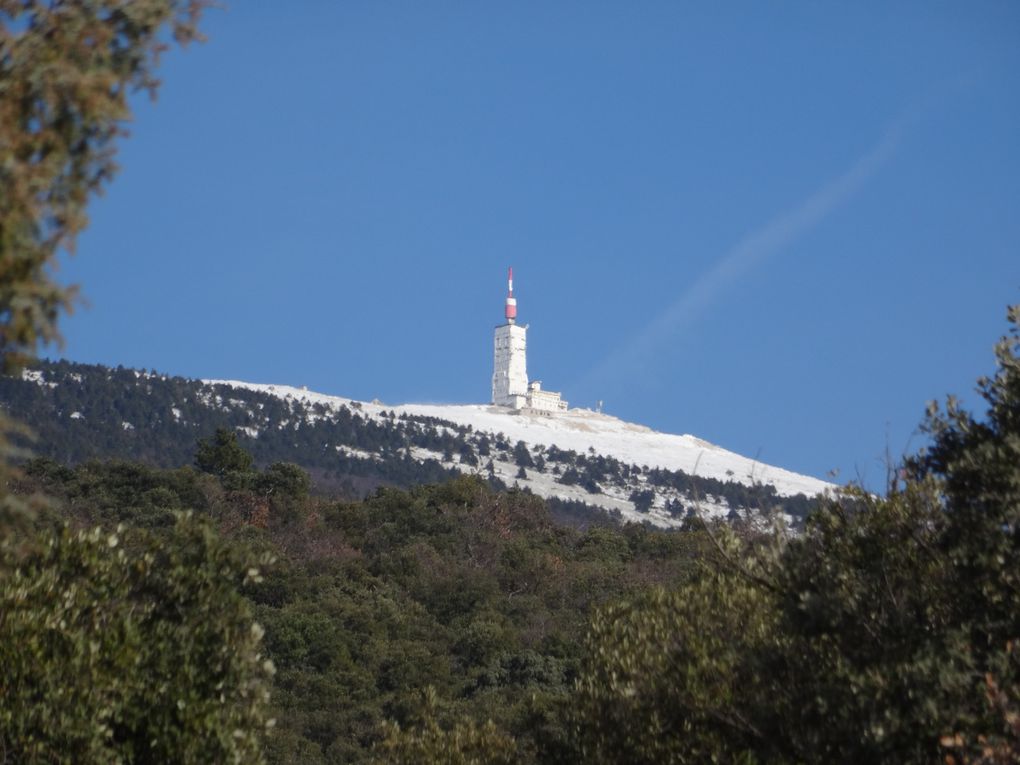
<point x="474" y="595"/>
<point x="156" y="419"/>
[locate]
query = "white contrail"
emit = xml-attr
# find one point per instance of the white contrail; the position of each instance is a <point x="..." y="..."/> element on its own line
<point x="748" y="252"/>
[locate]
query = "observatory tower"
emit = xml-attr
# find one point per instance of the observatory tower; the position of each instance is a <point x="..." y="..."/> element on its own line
<point x="510" y="369"/>
<point x="510" y="386"/>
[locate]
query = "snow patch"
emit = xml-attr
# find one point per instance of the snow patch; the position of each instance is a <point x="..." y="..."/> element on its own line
<point x="349" y="451"/>
<point x="34" y="375"/>
<point x="580" y="430"/>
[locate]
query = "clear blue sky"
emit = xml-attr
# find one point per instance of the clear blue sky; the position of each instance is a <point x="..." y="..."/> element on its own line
<point x="782" y="227"/>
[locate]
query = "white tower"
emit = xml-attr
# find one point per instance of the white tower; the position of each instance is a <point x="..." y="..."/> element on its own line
<point x="510" y="368"/>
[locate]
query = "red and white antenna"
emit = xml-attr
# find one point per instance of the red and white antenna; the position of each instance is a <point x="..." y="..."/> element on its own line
<point x="511" y="301"/>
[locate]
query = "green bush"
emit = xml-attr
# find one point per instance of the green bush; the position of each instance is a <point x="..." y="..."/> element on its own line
<point x="123" y="647"/>
<point x="886" y="632"/>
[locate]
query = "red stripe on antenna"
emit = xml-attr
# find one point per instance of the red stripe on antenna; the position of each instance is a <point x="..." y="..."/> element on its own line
<point x="511" y="304"/>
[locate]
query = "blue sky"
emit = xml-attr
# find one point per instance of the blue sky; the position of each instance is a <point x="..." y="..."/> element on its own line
<point x="782" y="227"/>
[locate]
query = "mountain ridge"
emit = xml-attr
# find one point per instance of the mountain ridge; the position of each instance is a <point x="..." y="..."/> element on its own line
<point x="587" y="462"/>
<point x="580" y="429"/>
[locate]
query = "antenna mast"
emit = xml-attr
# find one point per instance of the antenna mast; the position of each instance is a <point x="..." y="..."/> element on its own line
<point x="511" y="301"/>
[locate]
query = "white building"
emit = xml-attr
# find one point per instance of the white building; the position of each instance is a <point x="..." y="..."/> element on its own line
<point x="510" y="386"/>
<point x="510" y="368"/>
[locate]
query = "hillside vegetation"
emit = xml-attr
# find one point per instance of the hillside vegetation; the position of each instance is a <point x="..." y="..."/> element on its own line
<point x="81" y="412"/>
<point x="472" y="597"/>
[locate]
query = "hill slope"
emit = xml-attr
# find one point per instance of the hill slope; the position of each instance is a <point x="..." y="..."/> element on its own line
<point x="579" y="458"/>
<point x="578" y="430"/>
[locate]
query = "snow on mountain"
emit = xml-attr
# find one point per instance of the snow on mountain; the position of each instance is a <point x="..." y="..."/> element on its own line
<point x="582" y="431"/>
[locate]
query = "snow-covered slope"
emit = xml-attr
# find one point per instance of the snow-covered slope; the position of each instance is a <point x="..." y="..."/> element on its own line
<point x="582" y="431"/>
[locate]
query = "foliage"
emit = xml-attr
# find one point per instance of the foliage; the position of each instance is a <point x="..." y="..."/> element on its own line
<point x="978" y="464"/>
<point x="284" y="479"/>
<point x="670" y="675"/>
<point x="643" y="500"/>
<point x="885" y="633"/>
<point x="118" y="645"/>
<point x="222" y="455"/>
<point x="465" y="743"/>
<point x="476" y="594"/>
<point x="82" y="412"/>
<point x="522" y="457"/>
<point x="66" y="70"/>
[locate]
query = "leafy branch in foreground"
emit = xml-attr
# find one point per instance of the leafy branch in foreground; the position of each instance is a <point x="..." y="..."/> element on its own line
<point x="118" y="646"/>
<point x="887" y="632"/>
<point x="462" y="743"/>
<point x="66" y="70"/>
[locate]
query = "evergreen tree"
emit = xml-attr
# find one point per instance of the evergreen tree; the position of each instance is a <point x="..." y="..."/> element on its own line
<point x="643" y="499"/>
<point x="221" y="455"/>
<point x="522" y="457"/>
<point x="887" y="632"/>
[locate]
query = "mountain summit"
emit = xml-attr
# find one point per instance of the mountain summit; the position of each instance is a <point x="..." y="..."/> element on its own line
<point x="639" y="450"/>
<point x="585" y="463"/>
